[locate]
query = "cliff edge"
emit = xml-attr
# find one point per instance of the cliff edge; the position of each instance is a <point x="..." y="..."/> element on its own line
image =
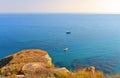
<point x="28" y="61"/>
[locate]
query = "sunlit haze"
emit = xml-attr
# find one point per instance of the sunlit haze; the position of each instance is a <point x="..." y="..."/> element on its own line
<point x="60" y="6"/>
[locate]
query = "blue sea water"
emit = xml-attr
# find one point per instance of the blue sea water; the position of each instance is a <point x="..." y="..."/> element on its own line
<point x="94" y="38"/>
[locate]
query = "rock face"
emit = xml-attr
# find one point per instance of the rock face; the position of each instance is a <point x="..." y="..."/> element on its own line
<point x="30" y="67"/>
<point x="60" y="70"/>
<point x="25" y="60"/>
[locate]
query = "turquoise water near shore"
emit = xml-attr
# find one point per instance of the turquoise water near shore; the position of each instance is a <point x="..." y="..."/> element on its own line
<point x="94" y="38"/>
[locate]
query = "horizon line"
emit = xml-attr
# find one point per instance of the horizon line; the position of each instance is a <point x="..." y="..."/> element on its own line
<point x="54" y="13"/>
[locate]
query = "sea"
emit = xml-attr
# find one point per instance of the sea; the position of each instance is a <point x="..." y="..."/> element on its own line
<point x="94" y="38"/>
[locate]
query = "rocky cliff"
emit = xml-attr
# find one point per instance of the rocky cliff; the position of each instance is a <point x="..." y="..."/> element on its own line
<point x="27" y="61"/>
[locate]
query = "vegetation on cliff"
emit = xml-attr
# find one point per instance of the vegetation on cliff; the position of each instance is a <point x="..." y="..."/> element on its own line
<point x="38" y="64"/>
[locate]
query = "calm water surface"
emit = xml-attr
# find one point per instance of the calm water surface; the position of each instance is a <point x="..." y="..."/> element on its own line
<point x="94" y="39"/>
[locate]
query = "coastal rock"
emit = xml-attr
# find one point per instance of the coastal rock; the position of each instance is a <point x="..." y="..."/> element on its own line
<point x="17" y="62"/>
<point x="60" y="70"/>
<point x="33" y="67"/>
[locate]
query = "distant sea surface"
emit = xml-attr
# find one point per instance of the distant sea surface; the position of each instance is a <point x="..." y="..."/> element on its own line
<point x="94" y="38"/>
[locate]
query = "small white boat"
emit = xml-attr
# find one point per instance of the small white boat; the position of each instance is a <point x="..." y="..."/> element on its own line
<point x="65" y="49"/>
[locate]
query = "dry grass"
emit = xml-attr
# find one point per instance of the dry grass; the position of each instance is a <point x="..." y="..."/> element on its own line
<point x="78" y="74"/>
<point x="24" y="55"/>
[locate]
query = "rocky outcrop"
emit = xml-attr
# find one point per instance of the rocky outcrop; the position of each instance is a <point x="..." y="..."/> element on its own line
<point x="28" y="61"/>
<point x="61" y="70"/>
<point x="30" y="67"/>
<point x="25" y="60"/>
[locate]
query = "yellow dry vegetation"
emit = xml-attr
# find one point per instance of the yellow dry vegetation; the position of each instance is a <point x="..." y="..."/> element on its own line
<point x="77" y="74"/>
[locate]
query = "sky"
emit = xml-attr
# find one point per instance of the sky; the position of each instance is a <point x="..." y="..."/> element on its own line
<point x="60" y="6"/>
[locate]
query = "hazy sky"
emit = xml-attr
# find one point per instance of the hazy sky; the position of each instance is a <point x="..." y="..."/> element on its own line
<point x="60" y="6"/>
